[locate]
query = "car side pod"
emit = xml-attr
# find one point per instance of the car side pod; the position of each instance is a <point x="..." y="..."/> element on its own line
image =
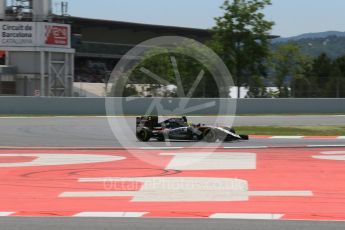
<point x="210" y="135"/>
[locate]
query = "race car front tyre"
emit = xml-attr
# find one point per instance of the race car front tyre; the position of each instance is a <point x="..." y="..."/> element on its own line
<point x="244" y="137"/>
<point x="144" y="135"/>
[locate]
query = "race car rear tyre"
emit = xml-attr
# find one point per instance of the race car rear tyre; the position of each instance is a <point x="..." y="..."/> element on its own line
<point x="210" y="136"/>
<point x="144" y="135"/>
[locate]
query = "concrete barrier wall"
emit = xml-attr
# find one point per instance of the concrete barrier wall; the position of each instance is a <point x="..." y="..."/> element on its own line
<point x="96" y="106"/>
<point x="291" y="106"/>
<point x="52" y="106"/>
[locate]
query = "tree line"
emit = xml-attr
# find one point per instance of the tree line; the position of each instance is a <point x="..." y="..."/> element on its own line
<point x="241" y="37"/>
<point x="293" y="74"/>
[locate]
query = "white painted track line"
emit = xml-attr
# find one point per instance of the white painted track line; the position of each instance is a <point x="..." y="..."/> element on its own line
<point x="333" y="153"/>
<point x="246" y="216"/>
<point x="190" y="161"/>
<point x="6" y="213"/>
<point x="334" y="157"/>
<point x="111" y="214"/>
<point x="187" y="195"/>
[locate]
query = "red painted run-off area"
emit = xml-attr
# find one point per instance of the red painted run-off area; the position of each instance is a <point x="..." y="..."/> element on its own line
<point x="35" y="190"/>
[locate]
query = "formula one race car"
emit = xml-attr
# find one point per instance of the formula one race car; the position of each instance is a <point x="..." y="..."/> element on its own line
<point x="148" y="128"/>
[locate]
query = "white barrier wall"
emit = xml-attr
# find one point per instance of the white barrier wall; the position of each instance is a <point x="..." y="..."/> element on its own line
<point x="96" y="106"/>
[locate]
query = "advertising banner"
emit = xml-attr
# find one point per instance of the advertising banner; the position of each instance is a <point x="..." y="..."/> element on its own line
<point x="56" y="35"/>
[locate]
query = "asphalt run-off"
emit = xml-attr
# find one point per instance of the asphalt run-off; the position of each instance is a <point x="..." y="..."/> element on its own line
<point x="264" y="183"/>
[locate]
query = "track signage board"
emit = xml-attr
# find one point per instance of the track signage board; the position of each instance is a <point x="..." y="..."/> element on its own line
<point x="17" y="34"/>
<point x="34" y="34"/>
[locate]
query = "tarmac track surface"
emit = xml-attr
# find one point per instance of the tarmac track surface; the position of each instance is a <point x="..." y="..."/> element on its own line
<point x="12" y="223"/>
<point x="95" y="132"/>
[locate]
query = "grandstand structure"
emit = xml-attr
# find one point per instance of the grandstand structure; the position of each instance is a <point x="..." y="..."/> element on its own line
<point x="94" y="48"/>
<point x="100" y="44"/>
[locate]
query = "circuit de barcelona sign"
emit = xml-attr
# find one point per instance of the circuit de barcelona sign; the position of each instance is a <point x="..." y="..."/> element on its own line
<point x="34" y="34"/>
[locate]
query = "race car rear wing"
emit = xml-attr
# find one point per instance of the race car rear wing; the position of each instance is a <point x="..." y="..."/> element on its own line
<point x="148" y="122"/>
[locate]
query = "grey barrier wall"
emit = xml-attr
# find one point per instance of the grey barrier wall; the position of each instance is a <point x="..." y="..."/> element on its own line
<point x="96" y="106"/>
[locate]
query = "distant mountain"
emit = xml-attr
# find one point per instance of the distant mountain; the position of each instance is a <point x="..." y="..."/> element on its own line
<point x="331" y="42"/>
<point x="310" y="36"/>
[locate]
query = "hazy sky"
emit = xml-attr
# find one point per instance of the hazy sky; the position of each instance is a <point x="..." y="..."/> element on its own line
<point x="292" y="17"/>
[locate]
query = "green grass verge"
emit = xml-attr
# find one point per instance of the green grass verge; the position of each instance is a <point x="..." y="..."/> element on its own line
<point x="325" y="130"/>
<point x="292" y="114"/>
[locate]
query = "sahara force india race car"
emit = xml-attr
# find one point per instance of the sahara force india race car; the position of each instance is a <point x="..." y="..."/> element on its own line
<point x="148" y="128"/>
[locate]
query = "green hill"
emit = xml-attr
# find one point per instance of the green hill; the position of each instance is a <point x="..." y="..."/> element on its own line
<point x="332" y="43"/>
